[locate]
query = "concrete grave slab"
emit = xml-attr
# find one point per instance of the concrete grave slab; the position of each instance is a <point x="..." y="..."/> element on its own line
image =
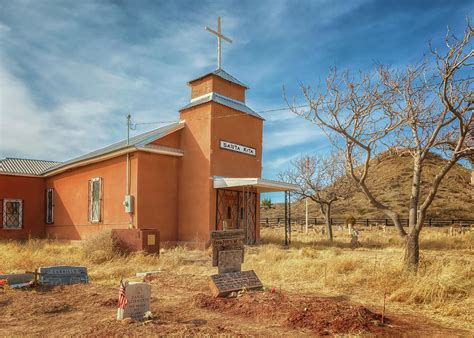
<point x="225" y="283"/>
<point x="18" y="278"/>
<point x="64" y="274"/>
<point x="138" y="301"/>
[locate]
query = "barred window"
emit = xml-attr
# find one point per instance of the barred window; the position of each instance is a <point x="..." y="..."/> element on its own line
<point x="95" y="199"/>
<point x="49" y="206"/>
<point x="12" y="214"/>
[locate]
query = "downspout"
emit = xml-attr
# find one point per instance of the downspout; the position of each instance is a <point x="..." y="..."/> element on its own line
<point x="127" y="169"/>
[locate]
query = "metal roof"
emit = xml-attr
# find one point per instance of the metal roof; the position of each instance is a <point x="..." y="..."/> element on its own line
<point x="225" y="101"/>
<point x="222" y="74"/>
<point x="135" y="141"/>
<point x="25" y="166"/>
<point x="261" y="184"/>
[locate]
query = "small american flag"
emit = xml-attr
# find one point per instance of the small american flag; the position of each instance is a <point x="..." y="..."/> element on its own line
<point x="122" y="301"/>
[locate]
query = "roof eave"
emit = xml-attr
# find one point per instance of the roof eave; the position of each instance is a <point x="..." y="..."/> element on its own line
<point x="7" y="173"/>
<point x="113" y="154"/>
<point x="262" y="185"/>
<point x="240" y="84"/>
<point x="110" y="154"/>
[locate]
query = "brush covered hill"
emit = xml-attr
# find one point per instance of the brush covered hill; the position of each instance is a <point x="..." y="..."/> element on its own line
<point x="390" y="180"/>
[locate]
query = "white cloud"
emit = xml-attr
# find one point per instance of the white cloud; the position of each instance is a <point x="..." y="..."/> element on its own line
<point x="29" y="131"/>
<point x="293" y="132"/>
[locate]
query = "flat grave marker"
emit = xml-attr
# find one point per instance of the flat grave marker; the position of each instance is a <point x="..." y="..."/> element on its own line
<point x="65" y="274"/>
<point x="225" y="283"/>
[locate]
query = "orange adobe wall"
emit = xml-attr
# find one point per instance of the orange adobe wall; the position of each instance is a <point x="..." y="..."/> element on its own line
<point x="243" y="129"/>
<point x="172" y="140"/>
<point x="31" y="190"/>
<point x="158" y="194"/>
<point x="206" y="125"/>
<point x="213" y="83"/>
<point x="194" y="181"/>
<point x="71" y="198"/>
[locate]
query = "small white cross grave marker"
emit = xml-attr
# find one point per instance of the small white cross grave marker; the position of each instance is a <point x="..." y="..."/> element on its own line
<point x="219" y="38"/>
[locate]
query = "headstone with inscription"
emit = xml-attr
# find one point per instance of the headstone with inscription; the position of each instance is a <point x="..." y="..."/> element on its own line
<point x="65" y="274"/>
<point x="228" y="256"/>
<point x="225" y="283"/>
<point x="226" y="240"/>
<point x="137" y="303"/>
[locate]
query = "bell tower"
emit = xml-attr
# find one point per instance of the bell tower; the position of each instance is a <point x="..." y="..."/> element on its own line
<point x="222" y="137"/>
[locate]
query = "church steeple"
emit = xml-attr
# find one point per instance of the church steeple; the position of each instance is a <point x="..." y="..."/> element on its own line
<point x="218" y="81"/>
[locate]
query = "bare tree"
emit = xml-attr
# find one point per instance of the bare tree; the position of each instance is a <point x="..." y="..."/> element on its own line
<point x="349" y="110"/>
<point x="420" y="110"/>
<point x="321" y="179"/>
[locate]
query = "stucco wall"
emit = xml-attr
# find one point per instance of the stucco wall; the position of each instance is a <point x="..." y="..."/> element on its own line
<point x="213" y="83"/>
<point x="71" y="198"/>
<point x="31" y="191"/>
<point x="194" y="180"/>
<point x="158" y="192"/>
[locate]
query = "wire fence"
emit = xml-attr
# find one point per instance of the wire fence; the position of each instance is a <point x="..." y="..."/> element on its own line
<point x="433" y="222"/>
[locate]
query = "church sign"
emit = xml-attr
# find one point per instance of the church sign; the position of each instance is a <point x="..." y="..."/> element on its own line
<point x="238" y="148"/>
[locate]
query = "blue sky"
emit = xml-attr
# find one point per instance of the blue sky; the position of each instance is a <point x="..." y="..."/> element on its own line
<point x="71" y="70"/>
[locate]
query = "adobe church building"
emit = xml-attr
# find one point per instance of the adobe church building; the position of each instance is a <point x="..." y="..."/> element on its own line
<point x="184" y="179"/>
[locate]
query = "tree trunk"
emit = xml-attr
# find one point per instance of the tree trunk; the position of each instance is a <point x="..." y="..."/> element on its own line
<point x="328" y="222"/>
<point x="387" y="211"/>
<point x="415" y="191"/>
<point x="325" y="208"/>
<point x="396" y="221"/>
<point x="412" y="252"/>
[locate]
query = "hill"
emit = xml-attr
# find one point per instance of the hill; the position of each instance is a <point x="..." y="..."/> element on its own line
<point x="390" y="180"/>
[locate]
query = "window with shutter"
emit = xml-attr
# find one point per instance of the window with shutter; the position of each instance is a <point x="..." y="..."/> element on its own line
<point x="95" y="199"/>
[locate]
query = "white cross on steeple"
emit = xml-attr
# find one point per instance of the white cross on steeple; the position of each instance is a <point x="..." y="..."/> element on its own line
<point x="219" y="37"/>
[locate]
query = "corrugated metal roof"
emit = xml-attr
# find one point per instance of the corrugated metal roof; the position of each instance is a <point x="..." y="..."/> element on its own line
<point x="222" y="74"/>
<point x="135" y="141"/>
<point x="224" y="100"/>
<point x="25" y="166"/>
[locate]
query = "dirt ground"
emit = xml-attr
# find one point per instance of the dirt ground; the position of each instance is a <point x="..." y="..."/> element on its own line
<point x="182" y="305"/>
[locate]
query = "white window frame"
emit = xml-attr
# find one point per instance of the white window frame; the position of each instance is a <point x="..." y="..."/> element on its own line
<point x="95" y="217"/>
<point x="4" y="218"/>
<point x="49" y="206"/>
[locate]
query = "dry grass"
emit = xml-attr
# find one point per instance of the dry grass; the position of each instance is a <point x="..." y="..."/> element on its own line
<point x="443" y="289"/>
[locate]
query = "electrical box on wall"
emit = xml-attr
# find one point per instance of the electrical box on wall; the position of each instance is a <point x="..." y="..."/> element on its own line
<point x="128" y="203"/>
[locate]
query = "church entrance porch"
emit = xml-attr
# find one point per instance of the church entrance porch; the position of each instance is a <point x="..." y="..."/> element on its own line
<point x="237" y="203"/>
<point x="237" y="209"/>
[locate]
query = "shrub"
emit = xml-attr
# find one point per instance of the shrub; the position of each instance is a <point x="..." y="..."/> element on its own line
<point x="100" y="247"/>
<point x="350" y="220"/>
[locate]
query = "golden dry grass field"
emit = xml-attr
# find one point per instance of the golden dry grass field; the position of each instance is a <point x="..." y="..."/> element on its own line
<point x="442" y="292"/>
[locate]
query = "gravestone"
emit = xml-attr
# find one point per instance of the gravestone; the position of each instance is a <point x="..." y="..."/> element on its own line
<point x="225" y="283"/>
<point x="66" y="274"/>
<point x="354" y="238"/>
<point x="225" y="241"/>
<point x="138" y="301"/>
<point x="18" y="278"/>
<point x="229" y="261"/>
<point x="228" y="256"/>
